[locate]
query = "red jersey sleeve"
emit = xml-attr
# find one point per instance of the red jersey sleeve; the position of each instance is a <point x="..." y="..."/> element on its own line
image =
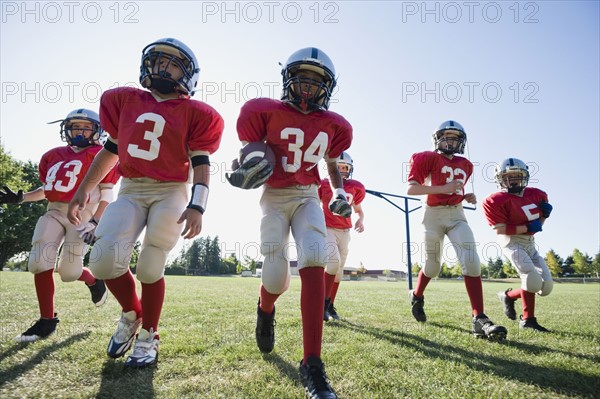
<point x="252" y="122"/>
<point x="206" y="129"/>
<point x="110" y="110"/>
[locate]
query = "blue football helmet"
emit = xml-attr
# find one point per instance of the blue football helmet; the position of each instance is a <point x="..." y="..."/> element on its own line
<point x="449" y="147"/>
<point x="176" y="52"/>
<point x="74" y="137"/>
<point x="312" y="59"/>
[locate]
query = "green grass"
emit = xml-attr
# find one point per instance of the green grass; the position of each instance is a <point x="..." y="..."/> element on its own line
<point x="377" y="351"/>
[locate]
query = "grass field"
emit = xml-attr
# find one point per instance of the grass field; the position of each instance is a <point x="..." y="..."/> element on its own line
<point x="376" y="351"/>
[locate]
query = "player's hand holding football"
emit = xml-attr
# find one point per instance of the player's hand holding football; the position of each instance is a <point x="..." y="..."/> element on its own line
<point x="339" y="206"/>
<point x="7" y="196"/>
<point x="545" y="208"/>
<point x="535" y="226"/>
<point x="252" y="174"/>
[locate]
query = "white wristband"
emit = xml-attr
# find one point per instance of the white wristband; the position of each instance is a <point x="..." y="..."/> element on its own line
<point x="199" y="197"/>
<point x="340" y="191"/>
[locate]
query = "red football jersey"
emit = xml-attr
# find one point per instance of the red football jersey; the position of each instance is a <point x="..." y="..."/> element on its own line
<point x="62" y="169"/>
<point x="299" y="141"/>
<point x="506" y="208"/>
<point x="433" y="169"/>
<point x="155" y="137"/>
<point x="355" y="194"/>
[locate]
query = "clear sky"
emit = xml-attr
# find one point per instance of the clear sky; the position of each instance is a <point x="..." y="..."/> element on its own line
<point x="521" y="77"/>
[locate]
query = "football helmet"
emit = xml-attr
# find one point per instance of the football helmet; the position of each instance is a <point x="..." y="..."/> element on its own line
<point x="177" y="53"/>
<point x="312" y="59"/>
<point x="441" y="144"/>
<point x="512" y="175"/>
<point x="98" y="136"/>
<point x="346" y="159"/>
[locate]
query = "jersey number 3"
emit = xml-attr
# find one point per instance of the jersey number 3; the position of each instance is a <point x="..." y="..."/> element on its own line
<point x="149" y="135"/>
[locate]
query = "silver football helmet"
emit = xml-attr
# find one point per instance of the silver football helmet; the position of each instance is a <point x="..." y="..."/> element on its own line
<point x="449" y="147"/>
<point x="346" y="159"/>
<point x="177" y="53"/>
<point x="312" y="59"/>
<point x="512" y="175"/>
<point x="74" y="137"/>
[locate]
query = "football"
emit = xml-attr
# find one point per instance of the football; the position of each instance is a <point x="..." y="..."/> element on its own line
<point x="256" y="151"/>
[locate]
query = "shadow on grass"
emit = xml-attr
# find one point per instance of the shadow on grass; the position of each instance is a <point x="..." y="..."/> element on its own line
<point x="20" y="369"/>
<point x="285" y="368"/>
<point x="558" y="380"/>
<point x="121" y="382"/>
<point x="512" y="341"/>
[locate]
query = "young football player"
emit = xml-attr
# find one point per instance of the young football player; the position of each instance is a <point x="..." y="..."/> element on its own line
<point x="301" y="131"/>
<point x="441" y="175"/>
<point x="61" y="172"/>
<point x="158" y="136"/>
<point x="517" y="213"/>
<point x="338" y="231"/>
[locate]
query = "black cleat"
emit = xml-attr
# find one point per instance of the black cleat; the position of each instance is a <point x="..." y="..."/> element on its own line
<point x="485" y="328"/>
<point x="40" y="329"/>
<point x="99" y="292"/>
<point x="314" y="379"/>
<point x="509" y="304"/>
<point x="326" y="314"/>
<point x="532" y="324"/>
<point x="417" y="306"/>
<point x="333" y="314"/>
<point x="265" y="330"/>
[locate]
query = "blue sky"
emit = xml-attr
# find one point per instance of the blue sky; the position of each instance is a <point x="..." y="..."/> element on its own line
<point x="521" y="77"/>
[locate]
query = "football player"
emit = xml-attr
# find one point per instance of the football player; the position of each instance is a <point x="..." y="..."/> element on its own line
<point x="441" y="176"/>
<point x="61" y="172"/>
<point x="301" y="131"/>
<point x="157" y="135"/>
<point x="338" y="231"/>
<point x="517" y="213"/>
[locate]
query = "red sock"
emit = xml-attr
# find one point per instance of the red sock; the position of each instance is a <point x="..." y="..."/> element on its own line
<point x="528" y="304"/>
<point x="514" y="294"/>
<point x="422" y="282"/>
<point x="153" y="296"/>
<point x="87" y="277"/>
<point x="312" y="296"/>
<point x="267" y="300"/>
<point x="123" y="289"/>
<point x="329" y="280"/>
<point x="44" y="288"/>
<point x="334" y="291"/>
<point x="475" y="293"/>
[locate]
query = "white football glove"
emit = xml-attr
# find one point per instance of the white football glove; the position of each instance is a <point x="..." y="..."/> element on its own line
<point x="87" y="231"/>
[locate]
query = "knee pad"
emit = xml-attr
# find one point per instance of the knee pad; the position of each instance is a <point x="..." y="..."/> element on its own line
<point x="532" y="282"/>
<point x="546" y="288"/>
<point x="431" y="268"/>
<point x="151" y="264"/>
<point x="109" y="260"/>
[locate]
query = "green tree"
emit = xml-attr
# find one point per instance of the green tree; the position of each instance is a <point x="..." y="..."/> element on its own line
<point x="567" y="266"/>
<point x="18" y="220"/>
<point x="509" y="270"/>
<point x="581" y="263"/>
<point x="495" y="268"/>
<point x="415" y="269"/>
<point x="596" y="265"/>
<point x="554" y="263"/>
<point x="456" y="270"/>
